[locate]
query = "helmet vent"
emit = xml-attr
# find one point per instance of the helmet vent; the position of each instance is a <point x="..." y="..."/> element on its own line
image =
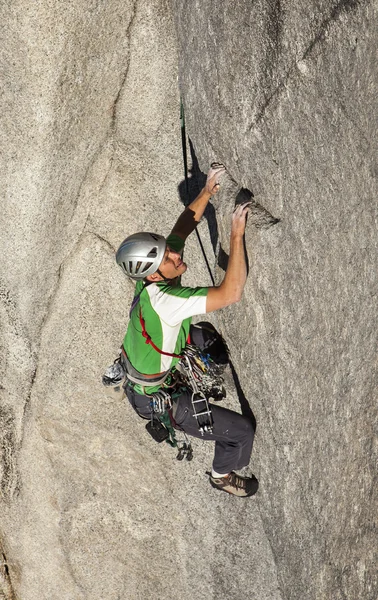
<point x="152" y="253"/>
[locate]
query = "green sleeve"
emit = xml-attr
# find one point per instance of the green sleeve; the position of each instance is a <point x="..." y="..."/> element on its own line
<point x="175" y="242"/>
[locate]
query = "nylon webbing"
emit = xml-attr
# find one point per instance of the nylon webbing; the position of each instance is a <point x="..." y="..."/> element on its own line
<point x="149" y="340"/>
<point x="147" y="337"/>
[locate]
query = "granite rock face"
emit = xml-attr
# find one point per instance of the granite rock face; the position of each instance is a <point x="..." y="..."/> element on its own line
<point x="91" y="152"/>
<point x="285" y="96"/>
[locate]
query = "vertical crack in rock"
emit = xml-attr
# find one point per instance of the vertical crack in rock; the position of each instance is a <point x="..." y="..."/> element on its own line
<point x="113" y="124"/>
<point x="9" y="447"/>
<point x="27" y="405"/>
<point x="12" y="314"/>
<point x="87" y="171"/>
<point x="109" y="135"/>
<point x="10" y="438"/>
<point x="9" y="479"/>
<point x="6" y="588"/>
<point x="28" y="396"/>
<point x="274" y="28"/>
<point x="112" y="127"/>
<point x="49" y="309"/>
<point x="27" y="401"/>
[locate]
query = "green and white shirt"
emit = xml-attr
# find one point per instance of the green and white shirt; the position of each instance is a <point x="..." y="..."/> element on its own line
<point x="167" y="311"/>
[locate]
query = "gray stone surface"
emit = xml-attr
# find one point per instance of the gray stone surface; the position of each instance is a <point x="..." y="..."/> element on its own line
<point x="286" y="98"/>
<point x="90" y="152"/>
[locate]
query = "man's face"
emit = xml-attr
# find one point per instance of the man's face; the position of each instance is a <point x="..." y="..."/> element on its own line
<point x="172" y="265"/>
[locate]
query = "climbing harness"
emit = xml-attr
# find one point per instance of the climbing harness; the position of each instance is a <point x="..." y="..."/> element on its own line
<point x="122" y="367"/>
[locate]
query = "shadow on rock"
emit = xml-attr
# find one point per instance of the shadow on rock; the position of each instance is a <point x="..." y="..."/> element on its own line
<point x="189" y="189"/>
<point x="244" y="404"/>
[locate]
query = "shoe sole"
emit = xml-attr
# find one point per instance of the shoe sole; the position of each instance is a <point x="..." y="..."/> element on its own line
<point x="222" y="489"/>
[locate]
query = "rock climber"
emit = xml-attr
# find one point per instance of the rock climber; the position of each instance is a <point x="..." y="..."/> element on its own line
<point x="160" y="323"/>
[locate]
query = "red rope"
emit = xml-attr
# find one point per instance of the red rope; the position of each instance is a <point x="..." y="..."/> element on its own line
<point x="149" y="340"/>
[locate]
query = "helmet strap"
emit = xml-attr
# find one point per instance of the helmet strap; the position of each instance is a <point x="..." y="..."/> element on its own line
<point x="165" y="278"/>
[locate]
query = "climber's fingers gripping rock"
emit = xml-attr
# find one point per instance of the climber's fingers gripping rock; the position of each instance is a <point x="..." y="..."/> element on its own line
<point x="239" y="218"/>
<point x="214" y="175"/>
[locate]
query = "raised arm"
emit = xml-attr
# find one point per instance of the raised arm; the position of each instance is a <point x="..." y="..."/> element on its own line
<point x="232" y="286"/>
<point x="191" y="216"/>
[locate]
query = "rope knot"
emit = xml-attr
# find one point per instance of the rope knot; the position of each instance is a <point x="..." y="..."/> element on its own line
<point x="146" y="337"/>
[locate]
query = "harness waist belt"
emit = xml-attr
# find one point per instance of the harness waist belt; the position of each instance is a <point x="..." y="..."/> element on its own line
<point x="140" y="378"/>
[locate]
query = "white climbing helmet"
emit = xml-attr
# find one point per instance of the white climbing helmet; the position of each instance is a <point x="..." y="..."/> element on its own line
<point x="141" y="254"/>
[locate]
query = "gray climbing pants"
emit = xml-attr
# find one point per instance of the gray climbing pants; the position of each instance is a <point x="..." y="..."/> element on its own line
<point x="232" y="432"/>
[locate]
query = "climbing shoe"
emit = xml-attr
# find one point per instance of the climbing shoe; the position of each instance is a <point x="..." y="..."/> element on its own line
<point x="236" y="484"/>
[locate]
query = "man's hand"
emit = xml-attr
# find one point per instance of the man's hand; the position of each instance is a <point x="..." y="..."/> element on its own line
<point x="189" y="219"/>
<point x="212" y="182"/>
<point x="239" y="219"/>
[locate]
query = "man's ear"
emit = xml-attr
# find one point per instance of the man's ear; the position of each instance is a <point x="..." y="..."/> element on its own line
<point x="154" y="277"/>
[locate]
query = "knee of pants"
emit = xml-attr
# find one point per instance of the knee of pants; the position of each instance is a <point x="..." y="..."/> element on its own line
<point x="245" y="430"/>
